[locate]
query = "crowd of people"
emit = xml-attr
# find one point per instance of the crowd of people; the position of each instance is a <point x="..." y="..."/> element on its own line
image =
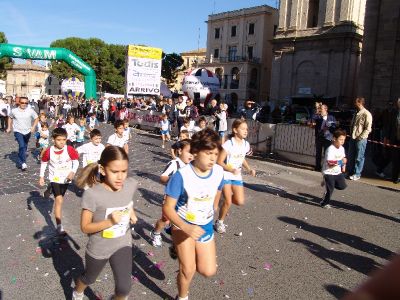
<point x="206" y="163"/>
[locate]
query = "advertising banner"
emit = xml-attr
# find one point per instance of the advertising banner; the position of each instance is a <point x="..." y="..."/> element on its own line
<point x="143" y="71"/>
<point x="144" y="117"/>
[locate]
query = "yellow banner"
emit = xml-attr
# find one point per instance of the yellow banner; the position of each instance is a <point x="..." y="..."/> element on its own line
<point x="144" y="52"/>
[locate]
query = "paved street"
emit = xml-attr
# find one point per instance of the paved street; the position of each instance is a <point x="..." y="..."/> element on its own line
<point x="280" y="245"/>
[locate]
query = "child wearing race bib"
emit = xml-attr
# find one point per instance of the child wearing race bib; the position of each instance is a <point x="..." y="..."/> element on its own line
<point x="43" y="141"/>
<point x="184" y="157"/>
<point x="80" y="135"/>
<point x="232" y="158"/>
<point x="192" y="194"/>
<point x="127" y="130"/>
<point x="334" y="167"/>
<point x="164" y="126"/>
<point x="93" y="121"/>
<point x="118" y="139"/>
<point x="63" y="163"/>
<point x="91" y="151"/>
<point x="72" y="130"/>
<point x="107" y="211"/>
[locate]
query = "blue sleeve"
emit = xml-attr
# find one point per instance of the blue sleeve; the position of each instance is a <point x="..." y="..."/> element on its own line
<point x="174" y="187"/>
<point x="221" y="185"/>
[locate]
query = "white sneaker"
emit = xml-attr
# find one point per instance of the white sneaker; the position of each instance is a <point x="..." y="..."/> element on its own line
<point x="157" y="239"/>
<point x="220" y="227"/>
<point x="162" y="146"/>
<point x="60" y="229"/>
<point x="354" y="177"/>
<point x="77" y="296"/>
<point x="24" y="167"/>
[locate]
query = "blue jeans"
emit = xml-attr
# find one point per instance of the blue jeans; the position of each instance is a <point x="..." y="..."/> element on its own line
<point x="357" y="156"/>
<point x="22" y="140"/>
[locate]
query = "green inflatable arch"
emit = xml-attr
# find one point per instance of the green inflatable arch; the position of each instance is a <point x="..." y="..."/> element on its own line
<point x="42" y="53"/>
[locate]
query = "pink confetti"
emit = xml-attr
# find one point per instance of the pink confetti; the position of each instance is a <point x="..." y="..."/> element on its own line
<point x="160" y="265"/>
<point x="267" y="266"/>
<point x="150" y="254"/>
<point x="38" y="250"/>
<point x="135" y="279"/>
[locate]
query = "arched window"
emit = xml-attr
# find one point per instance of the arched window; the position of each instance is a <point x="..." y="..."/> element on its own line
<point x="235" y="78"/>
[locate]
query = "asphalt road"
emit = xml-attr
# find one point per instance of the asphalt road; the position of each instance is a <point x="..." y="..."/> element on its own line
<point x="280" y="245"/>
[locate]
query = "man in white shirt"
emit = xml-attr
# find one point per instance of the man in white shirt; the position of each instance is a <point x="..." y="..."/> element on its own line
<point x="21" y="119"/>
<point x="105" y="106"/>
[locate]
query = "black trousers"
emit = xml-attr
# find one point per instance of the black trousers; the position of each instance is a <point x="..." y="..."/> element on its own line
<point x="333" y="182"/>
<point x="3" y="121"/>
<point x="321" y="144"/>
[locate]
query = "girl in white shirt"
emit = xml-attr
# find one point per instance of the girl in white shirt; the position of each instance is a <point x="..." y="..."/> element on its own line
<point x="72" y="130"/>
<point x="231" y="159"/>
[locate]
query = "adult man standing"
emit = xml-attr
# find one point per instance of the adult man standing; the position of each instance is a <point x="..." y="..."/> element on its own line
<point x="180" y="108"/>
<point x="21" y="119"/>
<point x="393" y="137"/>
<point x="360" y="128"/>
<point x="105" y="106"/>
<point x="325" y="125"/>
<point x="191" y="110"/>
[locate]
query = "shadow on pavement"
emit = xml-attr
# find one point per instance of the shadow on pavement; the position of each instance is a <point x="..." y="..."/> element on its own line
<point x="150" y="176"/>
<point x="335" y="259"/>
<point x="352" y="207"/>
<point x="152" y="197"/>
<point x="336" y="291"/>
<point x="162" y="154"/>
<point x="140" y="228"/>
<point x="13" y="156"/>
<point x="338" y="237"/>
<point x="44" y="206"/>
<point x="388" y="189"/>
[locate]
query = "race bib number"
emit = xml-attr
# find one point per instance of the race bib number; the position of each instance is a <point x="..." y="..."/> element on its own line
<point x="200" y="209"/>
<point x="119" y="229"/>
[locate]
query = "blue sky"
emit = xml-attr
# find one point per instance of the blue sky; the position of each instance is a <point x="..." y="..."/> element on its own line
<point x="172" y="25"/>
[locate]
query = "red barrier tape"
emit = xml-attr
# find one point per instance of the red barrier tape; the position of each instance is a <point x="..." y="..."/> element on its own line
<point x="380" y="143"/>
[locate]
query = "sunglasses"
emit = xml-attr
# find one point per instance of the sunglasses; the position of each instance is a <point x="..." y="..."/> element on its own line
<point x="23" y="103"/>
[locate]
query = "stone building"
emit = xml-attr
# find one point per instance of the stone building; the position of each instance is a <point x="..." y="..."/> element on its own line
<point x="317" y="51"/>
<point x="239" y="52"/>
<point x="191" y="59"/>
<point x="380" y="63"/>
<point x="30" y="80"/>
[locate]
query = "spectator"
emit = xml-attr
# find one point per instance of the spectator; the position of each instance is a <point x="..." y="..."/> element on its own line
<point x="392" y="136"/>
<point x="191" y="110"/>
<point x="4" y="113"/>
<point x="180" y="107"/>
<point x="250" y="110"/>
<point x="360" y="128"/>
<point x="325" y="125"/>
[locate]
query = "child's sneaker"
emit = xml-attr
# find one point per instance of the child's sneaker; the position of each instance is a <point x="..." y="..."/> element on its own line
<point x="77" y="296"/>
<point x="172" y="252"/>
<point x="220" y="227"/>
<point x="47" y="192"/>
<point x="60" y="229"/>
<point x="157" y="239"/>
<point x="162" y="146"/>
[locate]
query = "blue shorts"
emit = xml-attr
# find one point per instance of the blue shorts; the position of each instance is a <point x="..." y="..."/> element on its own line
<point x="208" y="232"/>
<point x="233" y="182"/>
<point x="221" y="133"/>
<point x="164" y="132"/>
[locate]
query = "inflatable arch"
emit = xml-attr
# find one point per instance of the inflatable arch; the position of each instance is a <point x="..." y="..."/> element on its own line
<point x="43" y="53"/>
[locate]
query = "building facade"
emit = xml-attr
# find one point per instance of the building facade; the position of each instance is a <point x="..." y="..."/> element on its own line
<point x="239" y="52"/>
<point x="317" y="51"/>
<point x="191" y="60"/>
<point x="380" y="64"/>
<point x="30" y="80"/>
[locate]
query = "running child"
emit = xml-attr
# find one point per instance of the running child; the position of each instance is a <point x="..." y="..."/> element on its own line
<point x="127" y="130"/>
<point x="91" y="151"/>
<point x="60" y="122"/>
<point x="202" y="124"/>
<point x="44" y="135"/>
<point x="192" y="194"/>
<point x="118" y="139"/>
<point x="186" y="126"/>
<point x="107" y="211"/>
<point x="42" y="119"/>
<point x="183" y="135"/>
<point x="63" y="163"/>
<point x="93" y="122"/>
<point x="334" y="167"/>
<point x="174" y="165"/>
<point x="232" y="158"/>
<point x="222" y="121"/>
<point x="164" y="125"/>
<point x="72" y="130"/>
<point x="80" y="135"/>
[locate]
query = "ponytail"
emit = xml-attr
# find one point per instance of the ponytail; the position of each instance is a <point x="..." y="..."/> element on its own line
<point x="236" y="125"/>
<point x="88" y="176"/>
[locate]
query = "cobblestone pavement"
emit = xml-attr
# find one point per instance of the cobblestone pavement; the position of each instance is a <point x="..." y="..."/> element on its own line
<point x="280" y="245"/>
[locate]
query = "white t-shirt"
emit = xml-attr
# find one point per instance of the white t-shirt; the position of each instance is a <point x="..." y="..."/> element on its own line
<point x="91" y="153"/>
<point x="44" y="141"/>
<point x="164" y="125"/>
<point x="333" y="154"/>
<point x="115" y="140"/>
<point x="22" y="119"/>
<point x="71" y="131"/>
<point x="173" y="166"/>
<point x="236" y="154"/>
<point x="127" y="134"/>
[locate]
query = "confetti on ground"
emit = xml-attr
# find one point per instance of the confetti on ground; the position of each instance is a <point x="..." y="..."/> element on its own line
<point x="277" y="250"/>
<point x="267" y="266"/>
<point x="150" y="254"/>
<point x="66" y="273"/>
<point x="239" y="234"/>
<point x="46" y="274"/>
<point x="243" y="272"/>
<point x="226" y="296"/>
<point x="135" y="279"/>
<point x="250" y="292"/>
<point x="160" y="265"/>
<point x="13" y="280"/>
<point x="259" y="228"/>
<point x="38" y="250"/>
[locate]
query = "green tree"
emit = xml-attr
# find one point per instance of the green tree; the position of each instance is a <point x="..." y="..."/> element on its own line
<point x="171" y="64"/>
<point x="5" y="62"/>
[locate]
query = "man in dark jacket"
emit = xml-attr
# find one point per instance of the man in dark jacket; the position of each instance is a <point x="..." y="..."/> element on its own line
<point x="393" y="137"/>
<point x="325" y="125"/>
